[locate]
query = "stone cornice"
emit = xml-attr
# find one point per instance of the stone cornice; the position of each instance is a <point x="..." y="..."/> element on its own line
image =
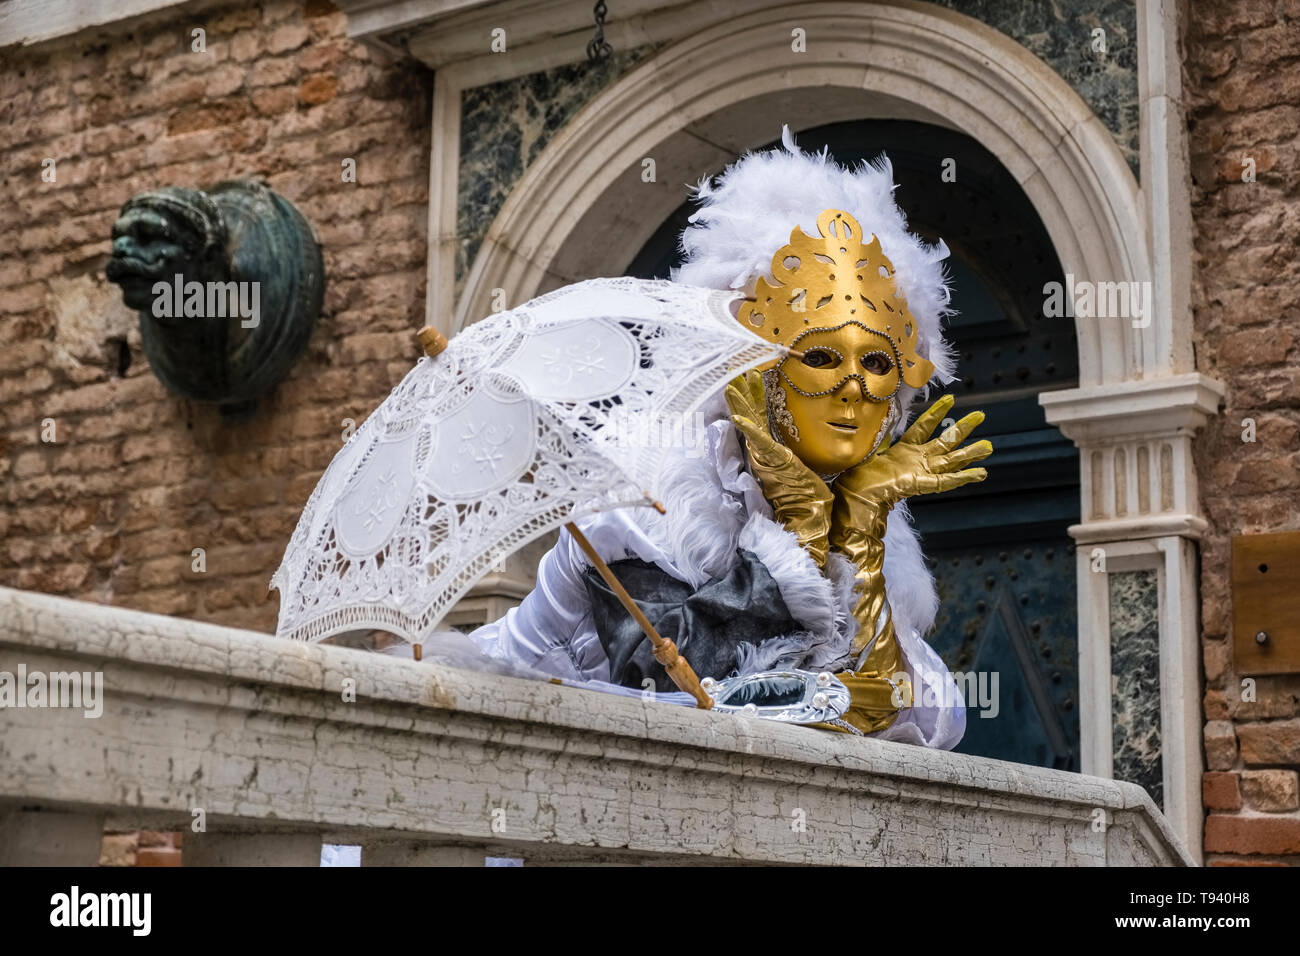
<point x="1171" y="405"/>
<point x="443" y="32"/>
<point x="1138" y="527"/>
<point x="26" y="22"/>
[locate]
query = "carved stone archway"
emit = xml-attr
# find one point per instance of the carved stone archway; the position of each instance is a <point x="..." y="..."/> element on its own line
<point x="728" y="88"/>
<point x="583" y="208"/>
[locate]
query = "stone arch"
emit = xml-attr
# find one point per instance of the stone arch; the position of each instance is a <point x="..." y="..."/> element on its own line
<point x="582" y="208"/>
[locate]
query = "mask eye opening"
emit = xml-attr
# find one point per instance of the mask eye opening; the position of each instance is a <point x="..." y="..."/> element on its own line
<point x="877" y="363"/>
<point x="820" y="358"/>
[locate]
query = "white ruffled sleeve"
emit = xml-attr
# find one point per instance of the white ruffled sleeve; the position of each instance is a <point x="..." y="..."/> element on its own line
<point x="541" y="631"/>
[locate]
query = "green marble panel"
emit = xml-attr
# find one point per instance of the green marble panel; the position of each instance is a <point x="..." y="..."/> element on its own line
<point x="1061" y="35"/>
<point x="504" y="126"/>
<point x="1135" y="680"/>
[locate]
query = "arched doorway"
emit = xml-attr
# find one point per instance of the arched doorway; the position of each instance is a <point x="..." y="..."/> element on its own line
<point x="999" y="550"/>
<point x="583" y="208"/>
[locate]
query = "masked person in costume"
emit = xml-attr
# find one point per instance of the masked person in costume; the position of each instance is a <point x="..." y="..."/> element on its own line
<point x="786" y="540"/>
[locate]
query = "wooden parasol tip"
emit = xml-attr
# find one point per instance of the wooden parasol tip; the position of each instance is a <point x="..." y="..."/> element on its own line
<point x="419" y="651"/>
<point x="431" y="340"/>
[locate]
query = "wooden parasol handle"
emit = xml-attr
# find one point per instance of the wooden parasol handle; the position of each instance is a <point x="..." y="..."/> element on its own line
<point x="665" y="651"/>
<point x="432" y="341"/>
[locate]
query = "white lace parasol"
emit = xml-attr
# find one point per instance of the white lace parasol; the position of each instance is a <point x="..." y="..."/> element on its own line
<point x="519" y="426"/>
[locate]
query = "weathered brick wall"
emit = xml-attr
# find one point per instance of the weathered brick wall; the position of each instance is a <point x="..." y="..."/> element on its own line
<point x="141" y="848"/>
<point x="1243" y="83"/>
<point x="137" y="477"/>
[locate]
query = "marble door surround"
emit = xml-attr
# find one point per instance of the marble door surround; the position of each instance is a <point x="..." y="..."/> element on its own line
<point x="718" y="78"/>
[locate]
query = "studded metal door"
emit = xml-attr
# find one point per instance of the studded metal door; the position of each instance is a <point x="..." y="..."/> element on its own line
<point x="1002" y="560"/>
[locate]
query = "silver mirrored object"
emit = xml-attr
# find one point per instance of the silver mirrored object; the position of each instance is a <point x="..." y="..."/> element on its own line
<point x="792" y="696"/>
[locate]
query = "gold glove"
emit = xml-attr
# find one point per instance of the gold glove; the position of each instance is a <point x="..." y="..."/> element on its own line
<point x="800" y="498"/>
<point x="864" y="496"/>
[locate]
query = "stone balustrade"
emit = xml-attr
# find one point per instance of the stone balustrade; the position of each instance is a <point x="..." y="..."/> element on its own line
<point x="258" y="740"/>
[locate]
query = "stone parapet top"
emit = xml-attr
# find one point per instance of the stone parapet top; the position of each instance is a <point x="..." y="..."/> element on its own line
<point x="254" y="731"/>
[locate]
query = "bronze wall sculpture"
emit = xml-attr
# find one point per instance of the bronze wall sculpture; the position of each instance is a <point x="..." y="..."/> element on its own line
<point x="228" y="283"/>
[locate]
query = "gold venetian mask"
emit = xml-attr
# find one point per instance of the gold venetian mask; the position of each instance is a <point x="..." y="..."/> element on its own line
<point x="834" y="298"/>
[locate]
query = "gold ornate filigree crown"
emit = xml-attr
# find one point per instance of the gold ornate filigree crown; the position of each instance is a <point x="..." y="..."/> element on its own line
<point x="824" y="281"/>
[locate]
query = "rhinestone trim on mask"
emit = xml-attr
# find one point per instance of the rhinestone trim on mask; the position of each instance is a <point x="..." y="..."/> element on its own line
<point x="778" y="415"/>
<point x="895" y="358"/>
<point x="845" y="725"/>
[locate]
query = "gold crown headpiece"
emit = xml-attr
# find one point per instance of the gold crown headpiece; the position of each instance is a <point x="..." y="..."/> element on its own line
<point x="827" y="280"/>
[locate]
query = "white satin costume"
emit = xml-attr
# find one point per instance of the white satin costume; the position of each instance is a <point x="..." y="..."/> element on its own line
<point x="713" y="507"/>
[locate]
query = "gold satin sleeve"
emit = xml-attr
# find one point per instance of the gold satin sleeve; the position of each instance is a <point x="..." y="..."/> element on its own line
<point x="858" y="531"/>
<point x="799" y="498"/>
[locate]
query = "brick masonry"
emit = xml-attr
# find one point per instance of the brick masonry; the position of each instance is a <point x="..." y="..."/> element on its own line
<point x="1243" y="91"/>
<point x="136" y="477"/>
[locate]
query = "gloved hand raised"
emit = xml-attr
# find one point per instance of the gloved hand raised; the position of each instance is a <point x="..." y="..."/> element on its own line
<point x="800" y="498"/>
<point x="916" y="464"/>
